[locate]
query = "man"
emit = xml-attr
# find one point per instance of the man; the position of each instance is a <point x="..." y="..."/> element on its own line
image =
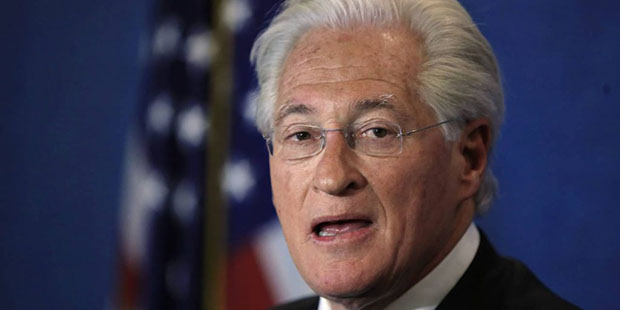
<point x="379" y="116"/>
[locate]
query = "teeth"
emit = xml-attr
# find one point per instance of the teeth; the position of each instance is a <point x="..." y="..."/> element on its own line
<point x="324" y="233"/>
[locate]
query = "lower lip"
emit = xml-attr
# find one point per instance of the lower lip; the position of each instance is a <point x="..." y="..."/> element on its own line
<point x="351" y="236"/>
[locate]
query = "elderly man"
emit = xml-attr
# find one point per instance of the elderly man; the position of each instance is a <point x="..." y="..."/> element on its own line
<point x="379" y="116"/>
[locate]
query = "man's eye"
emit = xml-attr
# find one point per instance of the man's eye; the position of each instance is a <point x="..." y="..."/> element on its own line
<point x="299" y="136"/>
<point x="377" y="132"/>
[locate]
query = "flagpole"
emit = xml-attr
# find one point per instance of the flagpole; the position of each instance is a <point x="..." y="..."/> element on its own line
<point x="220" y="103"/>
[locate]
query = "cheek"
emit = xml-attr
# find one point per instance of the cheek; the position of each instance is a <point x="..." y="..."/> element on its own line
<point x="413" y="191"/>
<point x="288" y="185"/>
<point x="279" y="186"/>
<point x="429" y="191"/>
<point x="400" y="185"/>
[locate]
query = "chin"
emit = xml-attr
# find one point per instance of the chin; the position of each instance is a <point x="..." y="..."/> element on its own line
<point x="340" y="288"/>
<point x="346" y="285"/>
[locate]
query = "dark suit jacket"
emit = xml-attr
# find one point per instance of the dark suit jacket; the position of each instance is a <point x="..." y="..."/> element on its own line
<point x="491" y="282"/>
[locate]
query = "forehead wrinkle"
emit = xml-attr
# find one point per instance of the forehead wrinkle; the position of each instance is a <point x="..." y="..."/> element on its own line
<point x="306" y="60"/>
<point x="404" y="88"/>
<point x="311" y="68"/>
<point x="305" y="70"/>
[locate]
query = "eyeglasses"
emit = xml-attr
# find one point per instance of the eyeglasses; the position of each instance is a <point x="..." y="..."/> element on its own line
<point x="375" y="137"/>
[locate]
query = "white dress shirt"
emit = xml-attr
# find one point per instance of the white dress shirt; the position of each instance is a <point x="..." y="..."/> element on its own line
<point x="431" y="290"/>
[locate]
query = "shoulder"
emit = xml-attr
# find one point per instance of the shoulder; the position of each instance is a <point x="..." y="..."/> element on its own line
<point x="307" y="303"/>
<point x="523" y="290"/>
<point x="496" y="282"/>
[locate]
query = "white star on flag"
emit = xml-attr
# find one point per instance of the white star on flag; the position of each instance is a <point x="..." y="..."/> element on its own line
<point x="236" y="13"/>
<point x="249" y="109"/>
<point x="192" y="125"/>
<point x="184" y="201"/>
<point x="200" y="48"/>
<point x="166" y="38"/>
<point x="238" y="180"/>
<point x="160" y="114"/>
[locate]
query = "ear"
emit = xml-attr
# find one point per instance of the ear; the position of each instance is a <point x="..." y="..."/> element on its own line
<point x="474" y="147"/>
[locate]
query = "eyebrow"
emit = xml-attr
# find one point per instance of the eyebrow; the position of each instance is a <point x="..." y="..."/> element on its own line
<point x="360" y="106"/>
<point x="370" y="104"/>
<point x="293" y="108"/>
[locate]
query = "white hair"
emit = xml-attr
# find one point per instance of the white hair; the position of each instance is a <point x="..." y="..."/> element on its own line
<point x="459" y="78"/>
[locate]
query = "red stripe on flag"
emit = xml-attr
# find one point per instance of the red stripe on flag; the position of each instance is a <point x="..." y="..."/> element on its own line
<point x="128" y="293"/>
<point x="246" y="288"/>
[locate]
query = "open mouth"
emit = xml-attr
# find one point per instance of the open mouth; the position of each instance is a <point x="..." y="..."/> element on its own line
<point x="331" y="229"/>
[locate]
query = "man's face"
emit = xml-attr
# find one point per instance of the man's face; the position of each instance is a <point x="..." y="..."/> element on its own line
<point x="363" y="229"/>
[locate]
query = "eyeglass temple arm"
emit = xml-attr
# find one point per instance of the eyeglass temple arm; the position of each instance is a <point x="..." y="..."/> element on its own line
<point x="427" y="127"/>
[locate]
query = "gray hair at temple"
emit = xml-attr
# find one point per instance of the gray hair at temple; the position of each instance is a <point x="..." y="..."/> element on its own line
<point x="459" y="78"/>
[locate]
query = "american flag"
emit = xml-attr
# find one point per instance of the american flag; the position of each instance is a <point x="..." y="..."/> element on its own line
<point x="197" y="181"/>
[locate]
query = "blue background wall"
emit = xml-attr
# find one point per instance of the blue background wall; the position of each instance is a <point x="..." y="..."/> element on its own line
<point x="69" y="84"/>
<point x="69" y="81"/>
<point x="558" y="159"/>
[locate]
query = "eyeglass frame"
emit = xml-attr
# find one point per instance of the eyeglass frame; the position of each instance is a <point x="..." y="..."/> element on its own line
<point x="323" y="137"/>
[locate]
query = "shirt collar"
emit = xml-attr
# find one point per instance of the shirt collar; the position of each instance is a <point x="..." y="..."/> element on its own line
<point x="428" y="292"/>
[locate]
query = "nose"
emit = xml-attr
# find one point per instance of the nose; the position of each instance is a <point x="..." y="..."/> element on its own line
<point x="337" y="173"/>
